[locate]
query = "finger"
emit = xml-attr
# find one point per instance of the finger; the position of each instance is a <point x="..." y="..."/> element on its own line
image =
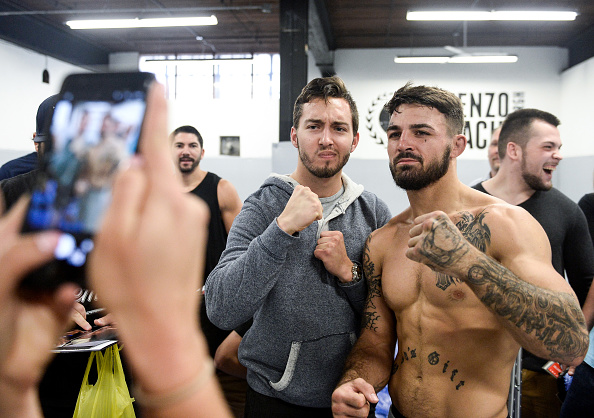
<point x="323" y="240"/>
<point x="412" y="242"/>
<point x="320" y="254"/>
<point x="154" y="138"/>
<point x="362" y="386"/>
<point x="104" y="320"/>
<point x="80" y="308"/>
<point x="416" y="230"/>
<point x="334" y="234"/>
<point x="422" y="218"/>
<point x="80" y="320"/>
<point x="13" y="221"/>
<point x="26" y="253"/>
<point x="63" y="300"/>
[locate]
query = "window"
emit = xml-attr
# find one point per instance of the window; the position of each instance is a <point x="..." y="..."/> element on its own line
<point x="226" y="76"/>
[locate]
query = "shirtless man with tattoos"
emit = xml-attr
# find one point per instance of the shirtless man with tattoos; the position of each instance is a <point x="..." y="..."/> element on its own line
<point x="460" y="279"/>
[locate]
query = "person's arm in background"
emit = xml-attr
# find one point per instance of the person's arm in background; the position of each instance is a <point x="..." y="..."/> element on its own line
<point x="229" y="202"/>
<point x="586" y="204"/>
<point x="578" y="255"/>
<point x="226" y="358"/>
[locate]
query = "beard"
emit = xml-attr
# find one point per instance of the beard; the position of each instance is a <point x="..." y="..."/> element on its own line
<point x="327" y="170"/>
<point x="533" y="181"/>
<point x="412" y="178"/>
<point x="189" y="169"/>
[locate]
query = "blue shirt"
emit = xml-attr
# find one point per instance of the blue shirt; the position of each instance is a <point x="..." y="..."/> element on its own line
<point x="18" y="166"/>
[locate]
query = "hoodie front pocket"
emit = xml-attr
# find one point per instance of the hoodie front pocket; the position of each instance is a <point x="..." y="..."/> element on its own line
<point x="315" y="366"/>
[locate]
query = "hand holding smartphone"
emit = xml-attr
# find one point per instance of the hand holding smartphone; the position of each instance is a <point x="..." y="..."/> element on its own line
<point x="94" y="130"/>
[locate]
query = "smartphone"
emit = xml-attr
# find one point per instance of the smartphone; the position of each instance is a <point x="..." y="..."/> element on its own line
<point x="92" y="133"/>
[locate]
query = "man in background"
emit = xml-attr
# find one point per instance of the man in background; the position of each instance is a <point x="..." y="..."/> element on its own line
<point x="224" y="204"/>
<point x="492" y="157"/>
<point x="529" y="149"/>
<point x="28" y="162"/>
<point x="21" y="183"/>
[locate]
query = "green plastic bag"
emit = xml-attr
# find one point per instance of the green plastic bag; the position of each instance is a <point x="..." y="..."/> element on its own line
<point x="109" y="396"/>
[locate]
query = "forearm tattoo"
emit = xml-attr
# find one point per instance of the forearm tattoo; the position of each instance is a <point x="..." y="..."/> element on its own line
<point x="553" y="317"/>
<point x="374" y="289"/>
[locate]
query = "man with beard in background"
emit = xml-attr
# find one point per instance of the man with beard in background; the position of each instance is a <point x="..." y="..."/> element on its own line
<point x="224" y="204"/>
<point x="530" y="151"/>
<point x="460" y="279"/>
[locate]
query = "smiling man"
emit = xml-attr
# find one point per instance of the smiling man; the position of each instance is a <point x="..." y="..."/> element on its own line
<point x="529" y="150"/>
<point x="459" y="279"/>
<point x="293" y="263"/>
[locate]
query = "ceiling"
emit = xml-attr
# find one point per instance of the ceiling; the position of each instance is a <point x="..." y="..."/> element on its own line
<point x="252" y="26"/>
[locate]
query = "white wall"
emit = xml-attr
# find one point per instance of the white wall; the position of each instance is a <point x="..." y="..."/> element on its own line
<point x="576" y="170"/>
<point x="577" y="91"/>
<point x="254" y="121"/>
<point x="21" y="93"/>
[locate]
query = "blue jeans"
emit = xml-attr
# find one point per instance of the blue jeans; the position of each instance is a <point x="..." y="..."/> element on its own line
<point x="579" y="401"/>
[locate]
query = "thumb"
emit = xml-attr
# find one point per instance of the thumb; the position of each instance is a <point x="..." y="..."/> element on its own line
<point x="25" y="253"/>
<point x="366" y="389"/>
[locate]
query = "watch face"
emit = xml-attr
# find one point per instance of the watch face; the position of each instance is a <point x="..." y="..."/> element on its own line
<point x="355" y="272"/>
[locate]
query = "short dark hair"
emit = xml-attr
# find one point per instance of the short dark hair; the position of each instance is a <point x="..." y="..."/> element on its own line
<point x="187" y="129"/>
<point x="517" y="125"/>
<point x="324" y="88"/>
<point x="444" y="101"/>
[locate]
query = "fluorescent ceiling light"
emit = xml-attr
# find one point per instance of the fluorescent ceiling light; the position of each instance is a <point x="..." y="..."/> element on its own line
<point x="465" y="15"/>
<point x="421" y="60"/>
<point x="142" y="23"/>
<point x="483" y="59"/>
<point x="459" y="59"/>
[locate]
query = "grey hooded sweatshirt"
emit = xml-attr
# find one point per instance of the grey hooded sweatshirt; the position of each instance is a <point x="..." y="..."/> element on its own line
<point x="305" y="321"/>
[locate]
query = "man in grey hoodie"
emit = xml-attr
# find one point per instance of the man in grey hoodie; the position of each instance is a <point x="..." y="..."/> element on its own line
<point x="292" y="263"/>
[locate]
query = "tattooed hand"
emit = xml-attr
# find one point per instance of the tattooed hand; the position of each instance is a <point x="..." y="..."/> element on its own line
<point x="436" y="242"/>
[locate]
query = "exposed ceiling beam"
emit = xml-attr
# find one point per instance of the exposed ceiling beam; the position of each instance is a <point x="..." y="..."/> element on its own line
<point x="321" y="41"/>
<point x="36" y="35"/>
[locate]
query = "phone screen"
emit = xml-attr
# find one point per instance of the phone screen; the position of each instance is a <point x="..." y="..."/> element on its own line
<point x="91" y="137"/>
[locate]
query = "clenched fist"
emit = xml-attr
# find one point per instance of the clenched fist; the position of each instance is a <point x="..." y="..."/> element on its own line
<point x="436" y="242"/>
<point x="301" y="210"/>
<point x="331" y="251"/>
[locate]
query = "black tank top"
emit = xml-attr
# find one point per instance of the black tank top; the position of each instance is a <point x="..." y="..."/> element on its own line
<point x="217" y="235"/>
<point x="217" y="239"/>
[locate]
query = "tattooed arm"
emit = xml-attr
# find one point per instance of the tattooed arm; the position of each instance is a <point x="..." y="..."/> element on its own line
<point x="531" y="299"/>
<point x="368" y="366"/>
